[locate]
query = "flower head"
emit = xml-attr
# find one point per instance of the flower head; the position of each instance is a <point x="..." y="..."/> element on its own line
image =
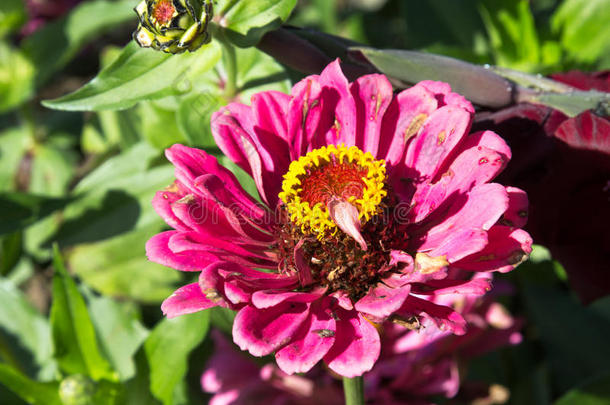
<point x="173" y="26"/>
<point x="373" y="206"/>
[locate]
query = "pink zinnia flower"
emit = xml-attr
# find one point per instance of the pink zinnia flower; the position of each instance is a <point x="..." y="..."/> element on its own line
<point x="372" y="203"/>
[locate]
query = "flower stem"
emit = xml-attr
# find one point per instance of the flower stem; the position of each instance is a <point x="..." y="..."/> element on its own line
<point x="229" y="60"/>
<point x="353" y="390"/>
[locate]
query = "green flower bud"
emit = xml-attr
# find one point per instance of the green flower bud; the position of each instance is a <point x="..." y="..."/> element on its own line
<point x="173" y="26"/>
<point x="77" y="390"/>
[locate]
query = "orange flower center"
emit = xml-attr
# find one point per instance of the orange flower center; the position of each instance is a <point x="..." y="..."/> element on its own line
<point x="164" y="11"/>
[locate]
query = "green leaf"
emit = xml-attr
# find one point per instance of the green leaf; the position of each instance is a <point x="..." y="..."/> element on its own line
<point x="476" y="83"/>
<point x="593" y="392"/>
<point x="19" y="318"/>
<point x="33" y="392"/>
<point x="54" y="45"/>
<point x="245" y="22"/>
<point x="14" y="143"/>
<point x="115" y="198"/>
<point x="138" y="74"/>
<point x="120" y="332"/>
<point x="74" y="341"/>
<point x="16" y="77"/>
<point x="193" y="116"/>
<point x="159" y="125"/>
<point x="12" y="16"/>
<point x="574" y="102"/>
<point x="11" y="247"/>
<point x="124" y="273"/>
<point x="574" y="354"/>
<point x="584" y="28"/>
<point x="52" y="170"/>
<point x="513" y="36"/>
<point x="167" y="349"/>
<point x="19" y="210"/>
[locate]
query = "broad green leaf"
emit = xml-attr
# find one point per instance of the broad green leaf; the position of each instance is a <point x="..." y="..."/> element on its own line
<point x="33" y="392"/>
<point x="168" y="348"/>
<point x="245" y="22"/>
<point x="11" y="247"/>
<point x="193" y="116"/>
<point x="52" y="170"/>
<point x="120" y="127"/>
<point x="562" y="324"/>
<point x="16" y="77"/>
<point x="120" y="332"/>
<point x="137" y="389"/>
<point x="14" y="143"/>
<point x="19" y="210"/>
<point x="513" y="37"/>
<point x="115" y="198"/>
<point x="19" y="318"/>
<point x="52" y="47"/>
<point x="138" y="74"/>
<point x="12" y="15"/>
<point x="159" y="125"/>
<point x="75" y="345"/>
<point x="115" y="271"/>
<point x="476" y="83"/>
<point x="594" y="392"/>
<point x="584" y="27"/>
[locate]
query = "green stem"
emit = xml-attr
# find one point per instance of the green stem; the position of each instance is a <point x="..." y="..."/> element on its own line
<point x="229" y="60"/>
<point x="353" y="390"/>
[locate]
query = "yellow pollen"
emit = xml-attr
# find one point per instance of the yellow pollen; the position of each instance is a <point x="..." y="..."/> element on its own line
<point x="332" y="172"/>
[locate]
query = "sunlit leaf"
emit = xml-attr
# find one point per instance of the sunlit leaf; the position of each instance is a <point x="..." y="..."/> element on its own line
<point x="138" y="74"/>
<point x="167" y="349"/>
<point x="247" y="21"/>
<point x="75" y="345"/>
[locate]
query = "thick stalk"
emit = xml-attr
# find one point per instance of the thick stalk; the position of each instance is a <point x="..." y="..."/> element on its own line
<point x="353" y="390"/>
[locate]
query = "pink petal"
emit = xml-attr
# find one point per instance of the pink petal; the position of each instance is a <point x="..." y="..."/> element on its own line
<point x="270" y="298"/>
<point x="518" y="204"/>
<point x="271" y="108"/>
<point x="460" y="244"/>
<point x="382" y="301"/>
<point x="410" y="272"/>
<point x="157" y="251"/>
<point x="356" y="347"/>
<point x="310" y="344"/>
<point x="193" y="163"/>
<point x="304" y="115"/>
<point x="345" y="215"/>
<point x="444" y="317"/>
<point x="404" y="119"/>
<point x="261" y="331"/>
<point x="264" y="157"/>
<point x="337" y="97"/>
<point x="479" y="209"/>
<point x="443" y="93"/>
<point x="186" y="300"/>
<point x="474" y="166"/>
<point x="443" y="131"/>
<point x="507" y="248"/>
<point x="440" y="287"/>
<point x="162" y="203"/>
<point x="372" y="95"/>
